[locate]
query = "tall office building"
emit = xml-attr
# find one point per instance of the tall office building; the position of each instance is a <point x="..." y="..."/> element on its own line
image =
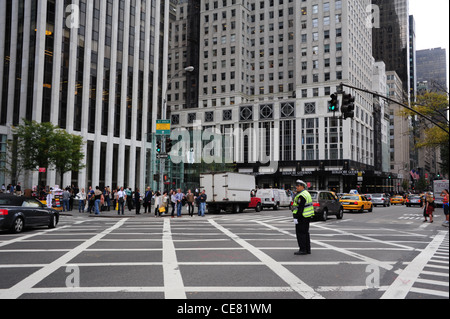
<point x="266" y="72"/>
<point x="432" y="68"/>
<point x="92" y="67"/>
<point x="391" y="41"/>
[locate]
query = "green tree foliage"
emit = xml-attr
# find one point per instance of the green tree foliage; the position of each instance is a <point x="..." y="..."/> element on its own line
<point x="43" y="145"/>
<point x="435" y="106"/>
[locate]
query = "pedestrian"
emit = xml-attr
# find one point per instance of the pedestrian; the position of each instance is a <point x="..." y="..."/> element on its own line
<point x="165" y="202"/>
<point x="121" y="197"/>
<point x="49" y="198"/>
<point x="179" y="197"/>
<point x="190" y="202"/>
<point x="91" y="199"/>
<point x="202" y="202"/>
<point x="81" y="200"/>
<point x="97" y="199"/>
<point x="429" y="207"/>
<point x="445" y="206"/>
<point x="107" y="196"/>
<point x="173" y="202"/>
<point x="66" y="198"/>
<point x="158" y="204"/>
<point x="148" y="200"/>
<point x="137" y="201"/>
<point x="303" y="211"/>
<point x="129" y="198"/>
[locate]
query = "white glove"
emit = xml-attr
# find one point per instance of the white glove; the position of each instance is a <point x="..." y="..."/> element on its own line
<point x="295" y="221"/>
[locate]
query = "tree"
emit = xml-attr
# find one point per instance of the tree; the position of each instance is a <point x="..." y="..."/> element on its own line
<point x="67" y="155"/>
<point x="435" y="106"/>
<point x="43" y="145"/>
<point x="34" y="144"/>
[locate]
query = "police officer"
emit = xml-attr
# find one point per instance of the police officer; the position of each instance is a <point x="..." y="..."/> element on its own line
<point x="303" y="211"/>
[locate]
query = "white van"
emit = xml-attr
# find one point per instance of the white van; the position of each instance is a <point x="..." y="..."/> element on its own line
<point x="274" y="198"/>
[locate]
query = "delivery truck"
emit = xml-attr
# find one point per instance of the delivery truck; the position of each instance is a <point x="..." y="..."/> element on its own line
<point x="229" y="192"/>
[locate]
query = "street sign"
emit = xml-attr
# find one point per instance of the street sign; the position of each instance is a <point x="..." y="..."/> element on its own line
<point x="163" y="127"/>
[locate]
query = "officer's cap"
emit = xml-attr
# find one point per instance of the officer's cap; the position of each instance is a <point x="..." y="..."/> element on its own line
<point x="300" y="182"/>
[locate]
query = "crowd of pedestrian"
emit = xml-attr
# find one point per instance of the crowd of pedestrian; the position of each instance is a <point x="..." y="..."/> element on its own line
<point x="94" y="201"/>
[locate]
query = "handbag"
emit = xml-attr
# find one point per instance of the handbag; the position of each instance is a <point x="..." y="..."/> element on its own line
<point x="162" y="209"/>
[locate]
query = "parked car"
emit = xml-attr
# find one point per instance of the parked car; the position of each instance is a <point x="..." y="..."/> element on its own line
<point x="16" y="213"/>
<point x="413" y="200"/>
<point x="326" y="203"/>
<point x="274" y="198"/>
<point x="356" y="202"/>
<point x="397" y="199"/>
<point x="380" y="199"/>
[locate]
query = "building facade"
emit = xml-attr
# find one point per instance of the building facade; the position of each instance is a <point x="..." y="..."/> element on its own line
<point x="93" y="68"/>
<point x="266" y="73"/>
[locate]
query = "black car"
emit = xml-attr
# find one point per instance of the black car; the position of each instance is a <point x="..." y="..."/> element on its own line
<point x="16" y="213"/>
<point x="325" y="204"/>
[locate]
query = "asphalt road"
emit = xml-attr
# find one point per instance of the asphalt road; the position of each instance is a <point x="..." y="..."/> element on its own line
<point x="389" y="253"/>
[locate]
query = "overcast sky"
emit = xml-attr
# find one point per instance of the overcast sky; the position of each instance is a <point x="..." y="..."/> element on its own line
<point x="432" y="24"/>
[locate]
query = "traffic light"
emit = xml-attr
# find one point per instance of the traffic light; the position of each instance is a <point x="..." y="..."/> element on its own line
<point x="333" y="105"/>
<point x="348" y="106"/>
<point x="158" y="147"/>
<point x="168" y="145"/>
<point x="156" y="177"/>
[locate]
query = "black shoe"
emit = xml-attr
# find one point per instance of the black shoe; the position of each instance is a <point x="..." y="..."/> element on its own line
<point x="300" y="253"/>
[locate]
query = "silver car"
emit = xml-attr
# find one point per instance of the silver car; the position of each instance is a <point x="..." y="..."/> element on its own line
<point x="381" y="199"/>
<point x="326" y="203"/>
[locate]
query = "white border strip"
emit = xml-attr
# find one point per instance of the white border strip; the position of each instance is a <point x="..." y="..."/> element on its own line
<point x="25" y="285"/>
<point x="293" y="281"/>
<point x="406" y="279"/>
<point x="173" y="281"/>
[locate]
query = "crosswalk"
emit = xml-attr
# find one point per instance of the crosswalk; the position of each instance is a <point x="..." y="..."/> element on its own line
<point x="434" y="279"/>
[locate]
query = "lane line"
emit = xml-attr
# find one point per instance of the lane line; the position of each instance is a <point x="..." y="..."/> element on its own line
<point x="293" y="281"/>
<point x="25" y="285"/>
<point x="173" y="281"/>
<point x="368" y="260"/>
<point x="406" y="279"/>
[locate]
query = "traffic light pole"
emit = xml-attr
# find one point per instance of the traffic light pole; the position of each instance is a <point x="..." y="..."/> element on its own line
<point x="396" y="102"/>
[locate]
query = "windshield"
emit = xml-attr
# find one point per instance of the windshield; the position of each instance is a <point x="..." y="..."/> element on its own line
<point x="377" y="195"/>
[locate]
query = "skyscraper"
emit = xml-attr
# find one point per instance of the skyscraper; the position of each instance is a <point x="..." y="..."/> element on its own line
<point x="93" y="68"/>
<point x="391" y="39"/>
<point x="266" y="72"/>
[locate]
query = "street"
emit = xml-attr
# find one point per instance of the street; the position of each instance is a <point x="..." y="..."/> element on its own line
<point x="389" y="253"/>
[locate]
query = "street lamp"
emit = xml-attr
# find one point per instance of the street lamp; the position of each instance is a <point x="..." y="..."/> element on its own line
<point x="188" y="69"/>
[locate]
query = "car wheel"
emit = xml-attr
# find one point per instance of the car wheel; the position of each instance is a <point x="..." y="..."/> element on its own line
<point x="18" y="225"/>
<point x="53" y="222"/>
<point x="325" y="215"/>
<point x="275" y="207"/>
<point x="340" y="214"/>
<point x="258" y="207"/>
<point x="371" y="209"/>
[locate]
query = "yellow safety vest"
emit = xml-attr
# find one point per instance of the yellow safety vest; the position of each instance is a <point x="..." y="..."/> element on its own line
<point x="308" y="211"/>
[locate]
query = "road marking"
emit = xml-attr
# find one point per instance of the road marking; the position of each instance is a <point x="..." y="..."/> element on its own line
<point x="23" y="238"/>
<point x="173" y="281"/>
<point x="368" y="260"/>
<point x="404" y="282"/>
<point x="293" y="281"/>
<point x="25" y="285"/>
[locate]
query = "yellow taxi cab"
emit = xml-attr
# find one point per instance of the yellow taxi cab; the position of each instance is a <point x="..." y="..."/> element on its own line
<point x="397" y="200"/>
<point x="356" y="202"/>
